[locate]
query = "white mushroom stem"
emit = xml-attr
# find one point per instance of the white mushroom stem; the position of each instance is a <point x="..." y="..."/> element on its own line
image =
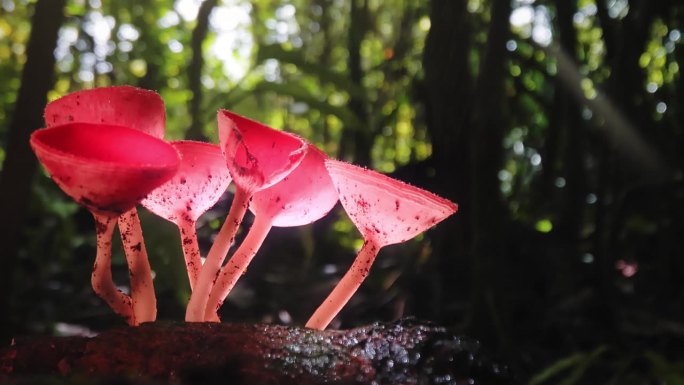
<point x="346" y="288"/>
<point x="142" y="288"/>
<point x="236" y="266"/>
<point x="101" y="278"/>
<point x="215" y="257"/>
<point x="191" y="251"/>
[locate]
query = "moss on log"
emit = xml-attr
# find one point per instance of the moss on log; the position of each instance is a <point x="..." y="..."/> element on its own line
<point x="403" y="352"/>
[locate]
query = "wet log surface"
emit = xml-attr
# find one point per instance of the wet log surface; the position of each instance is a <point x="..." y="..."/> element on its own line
<point x="403" y="352"/>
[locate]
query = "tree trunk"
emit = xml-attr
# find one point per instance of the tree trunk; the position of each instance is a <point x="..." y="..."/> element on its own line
<point x="567" y="121"/>
<point x="195" y="131"/>
<point x="357" y="141"/>
<point x="489" y="311"/>
<point x="448" y="91"/>
<point x="625" y="89"/>
<point x="404" y="352"/>
<point x="20" y="163"/>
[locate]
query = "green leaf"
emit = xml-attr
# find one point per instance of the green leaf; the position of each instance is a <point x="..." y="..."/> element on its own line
<point x="320" y="71"/>
<point x="671" y="373"/>
<point x="302" y="95"/>
<point x="577" y="364"/>
<point x="75" y="9"/>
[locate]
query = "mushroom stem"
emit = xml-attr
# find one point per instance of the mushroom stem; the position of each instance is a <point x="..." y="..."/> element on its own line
<point x="191" y="251"/>
<point x="142" y="288"/>
<point x="101" y="278"/>
<point x="237" y="265"/>
<point x="345" y="288"/>
<point x="216" y="255"/>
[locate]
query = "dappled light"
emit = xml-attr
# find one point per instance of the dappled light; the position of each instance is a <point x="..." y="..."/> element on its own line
<point x="556" y="126"/>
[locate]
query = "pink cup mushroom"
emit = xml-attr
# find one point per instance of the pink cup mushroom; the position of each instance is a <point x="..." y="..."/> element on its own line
<point x="302" y="197"/>
<point x="257" y="157"/>
<point x="108" y="169"/>
<point x="126" y="106"/>
<point x="199" y="183"/>
<point x="139" y="109"/>
<point x="386" y="211"/>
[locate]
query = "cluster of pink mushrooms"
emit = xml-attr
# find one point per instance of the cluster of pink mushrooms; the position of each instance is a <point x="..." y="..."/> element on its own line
<point x="104" y="147"/>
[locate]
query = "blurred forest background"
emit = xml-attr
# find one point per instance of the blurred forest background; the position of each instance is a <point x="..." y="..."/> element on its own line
<point x="556" y="125"/>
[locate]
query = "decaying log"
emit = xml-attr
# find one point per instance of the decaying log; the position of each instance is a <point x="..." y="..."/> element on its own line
<point x="404" y="352"/>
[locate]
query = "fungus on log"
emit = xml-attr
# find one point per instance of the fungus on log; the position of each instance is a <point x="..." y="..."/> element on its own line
<point x="257" y="157"/>
<point x="304" y="196"/>
<point x="199" y="183"/>
<point x="135" y="108"/>
<point x="96" y="165"/>
<point x="386" y="211"/>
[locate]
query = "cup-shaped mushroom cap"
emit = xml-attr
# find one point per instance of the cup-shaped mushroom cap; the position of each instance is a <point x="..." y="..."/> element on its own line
<point x="257" y="156"/>
<point x="200" y="181"/>
<point x="384" y="209"/>
<point x="118" y="105"/>
<point x="108" y="169"/>
<point x="302" y="197"/>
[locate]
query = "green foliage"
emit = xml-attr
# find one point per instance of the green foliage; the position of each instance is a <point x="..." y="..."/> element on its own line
<point x="571" y="368"/>
<point x="664" y="369"/>
<point x="321" y="72"/>
<point x="14" y="31"/>
<point x="623" y="367"/>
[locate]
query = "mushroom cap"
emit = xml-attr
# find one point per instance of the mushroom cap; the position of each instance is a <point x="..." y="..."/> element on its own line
<point x="108" y="169"/>
<point x="257" y="156"/>
<point x="385" y="209"/>
<point x="199" y="183"/>
<point x="118" y="105"/>
<point x="302" y="197"/>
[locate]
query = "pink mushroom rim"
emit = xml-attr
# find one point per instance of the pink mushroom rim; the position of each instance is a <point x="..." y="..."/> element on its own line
<point x="257" y="156"/>
<point x="384" y="209"/>
<point x="126" y="106"/>
<point x="200" y="181"/>
<point x="106" y="168"/>
<point x="304" y="196"/>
